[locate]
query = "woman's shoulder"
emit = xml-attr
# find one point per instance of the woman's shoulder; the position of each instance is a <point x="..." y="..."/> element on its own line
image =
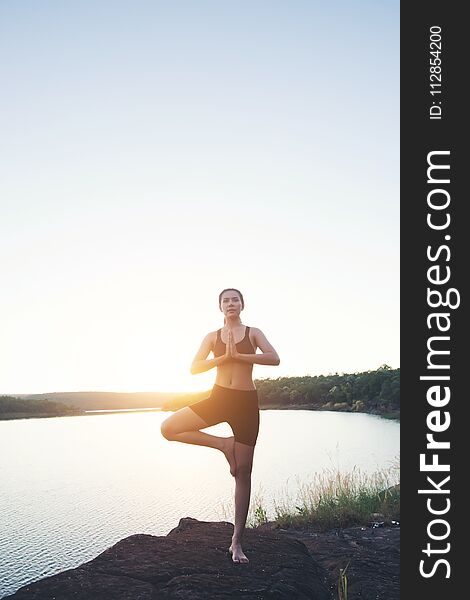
<point x="211" y="337"/>
<point x="214" y="335"/>
<point x="253" y="332"/>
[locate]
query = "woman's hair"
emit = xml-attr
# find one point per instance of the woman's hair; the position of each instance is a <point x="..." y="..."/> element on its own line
<point x="228" y="290"/>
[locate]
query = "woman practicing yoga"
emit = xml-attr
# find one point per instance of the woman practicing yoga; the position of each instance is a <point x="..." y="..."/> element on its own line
<point x="233" y="399"/>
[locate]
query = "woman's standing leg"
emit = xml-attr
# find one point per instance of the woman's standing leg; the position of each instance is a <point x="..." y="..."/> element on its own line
<point x="244" y="462"/>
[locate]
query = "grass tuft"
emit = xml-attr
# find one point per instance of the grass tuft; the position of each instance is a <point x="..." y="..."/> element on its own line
<point x="335" y="500"/>
<point x="343" y="584"/>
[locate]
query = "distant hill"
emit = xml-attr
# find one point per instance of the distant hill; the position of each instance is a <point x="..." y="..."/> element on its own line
<point x="105" y="400"/>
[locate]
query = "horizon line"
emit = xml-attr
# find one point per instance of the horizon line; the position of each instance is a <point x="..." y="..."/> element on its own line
<point x="191" y="391"/>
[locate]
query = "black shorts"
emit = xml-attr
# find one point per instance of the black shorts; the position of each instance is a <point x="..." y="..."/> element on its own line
<point x="238" y="408"/>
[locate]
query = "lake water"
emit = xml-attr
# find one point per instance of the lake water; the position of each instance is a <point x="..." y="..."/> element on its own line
<point x="70" y="487"/>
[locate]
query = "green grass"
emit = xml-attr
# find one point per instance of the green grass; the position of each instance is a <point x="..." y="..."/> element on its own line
<point x="343" y="584"/>
<point x="335" y="500"/>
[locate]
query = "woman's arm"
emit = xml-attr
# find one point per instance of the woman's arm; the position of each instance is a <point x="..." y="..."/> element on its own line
<point x="269" y="356"/>
<point x="200" y="362"/>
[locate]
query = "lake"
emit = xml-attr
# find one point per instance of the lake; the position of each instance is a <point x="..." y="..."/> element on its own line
<point x="70" y="487"/>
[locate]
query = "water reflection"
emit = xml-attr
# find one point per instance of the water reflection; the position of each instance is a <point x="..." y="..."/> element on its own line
<point x="73" y="486"/>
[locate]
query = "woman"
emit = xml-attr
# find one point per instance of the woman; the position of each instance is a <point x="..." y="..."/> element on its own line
<point x="233" y="399"/>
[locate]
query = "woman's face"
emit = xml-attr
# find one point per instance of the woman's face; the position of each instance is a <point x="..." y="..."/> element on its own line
<point x="231" y="304"/>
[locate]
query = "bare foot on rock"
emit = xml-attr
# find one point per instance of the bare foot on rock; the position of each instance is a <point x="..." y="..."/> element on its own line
<point x="228" y="448"/>
<point x="238" y="556"/>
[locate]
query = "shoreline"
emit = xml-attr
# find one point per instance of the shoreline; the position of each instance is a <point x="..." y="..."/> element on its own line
<point x="20" y="416"/>
<point x="386" y="415"/>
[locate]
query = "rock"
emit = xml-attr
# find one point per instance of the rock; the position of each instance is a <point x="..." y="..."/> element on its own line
<point x="373" y="556"/>
<point x="191" y="562"/>
<point x="341" y="406"/>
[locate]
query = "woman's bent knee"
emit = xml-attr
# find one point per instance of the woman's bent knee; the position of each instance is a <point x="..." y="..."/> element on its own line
<point x="167" y="430"/>
<point x="182" y="420"/>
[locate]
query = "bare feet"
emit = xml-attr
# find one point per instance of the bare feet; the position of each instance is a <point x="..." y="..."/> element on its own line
<point x="228" y="448"/>
<point x="238" y="556"/>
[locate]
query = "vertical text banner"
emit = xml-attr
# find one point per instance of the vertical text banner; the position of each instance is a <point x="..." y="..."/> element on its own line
<point x="433" y="299"/>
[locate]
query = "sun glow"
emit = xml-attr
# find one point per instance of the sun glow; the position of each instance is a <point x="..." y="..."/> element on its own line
<point x="141" y="188"/>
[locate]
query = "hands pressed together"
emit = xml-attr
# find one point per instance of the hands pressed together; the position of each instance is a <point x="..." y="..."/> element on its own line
<point x="231" y="352"/>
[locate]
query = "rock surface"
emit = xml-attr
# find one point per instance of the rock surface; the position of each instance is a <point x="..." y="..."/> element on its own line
<point x="373" y="556"/>
<point x="190" y="563"/>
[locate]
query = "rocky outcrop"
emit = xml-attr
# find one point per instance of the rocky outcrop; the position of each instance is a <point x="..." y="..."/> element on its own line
<point x="190" y="563"/>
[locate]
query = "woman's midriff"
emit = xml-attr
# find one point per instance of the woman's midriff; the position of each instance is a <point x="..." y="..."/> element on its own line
<point x="236" y="375"/>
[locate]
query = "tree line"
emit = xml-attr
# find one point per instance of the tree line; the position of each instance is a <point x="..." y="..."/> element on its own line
<point x="10" y="405"/>
<point x="370" y="391"/>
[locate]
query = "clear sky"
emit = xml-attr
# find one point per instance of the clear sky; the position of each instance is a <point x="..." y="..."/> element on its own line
<point x="153" y="153"/>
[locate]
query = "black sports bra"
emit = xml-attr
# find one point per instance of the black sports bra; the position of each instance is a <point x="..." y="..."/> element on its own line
<point x="244" y="347"/>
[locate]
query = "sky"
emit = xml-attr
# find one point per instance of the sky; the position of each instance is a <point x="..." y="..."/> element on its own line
<point x="153" y="153"/>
